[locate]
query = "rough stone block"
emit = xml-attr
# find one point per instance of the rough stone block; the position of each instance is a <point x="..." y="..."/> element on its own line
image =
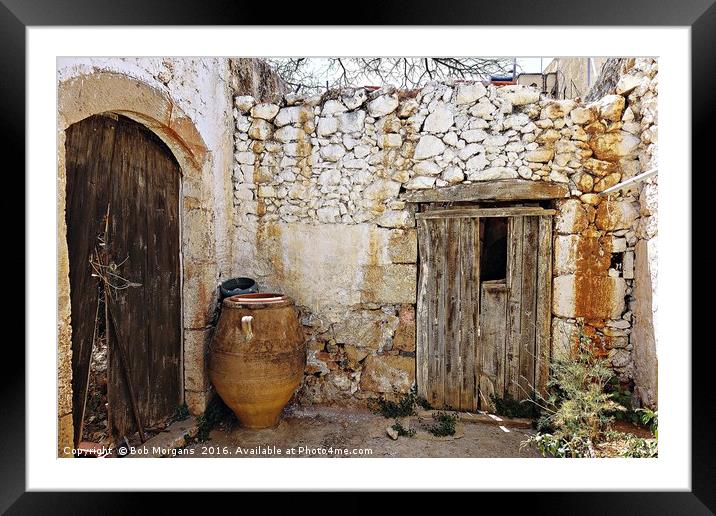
<point x="388" y="374"/>
<point x="199" y="294"/>
<point x="565" y="338"/>
<point x="614" y="215"/>
<point x="196" y="342"/>
<point x="565" y="254"/>
<point x="404" y="338"/>
<point x="571" y="217"/>
<point x="593" y="297"/>
<point x="196" y="401"/>
<point x="389" y="284"/>
<point x="403" y="246"/>
<point x="65" y="436"/>
<point x="370" y="329"/>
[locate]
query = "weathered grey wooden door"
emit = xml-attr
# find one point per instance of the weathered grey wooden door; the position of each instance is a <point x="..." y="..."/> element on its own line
<point x="119" y="168"/>
<point x="480" y="337"/>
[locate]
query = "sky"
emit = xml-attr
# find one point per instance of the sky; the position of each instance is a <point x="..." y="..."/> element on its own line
<point x="532" y="64"/>
<point x="318" y="71"/>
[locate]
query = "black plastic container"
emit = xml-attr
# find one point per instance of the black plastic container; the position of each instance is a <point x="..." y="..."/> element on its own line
<point x="235" y="286"/>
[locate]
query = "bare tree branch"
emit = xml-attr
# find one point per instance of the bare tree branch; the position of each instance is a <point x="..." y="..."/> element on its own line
<point x="313" y="75"/>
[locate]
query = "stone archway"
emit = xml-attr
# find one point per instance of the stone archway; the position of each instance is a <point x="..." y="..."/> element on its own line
<point x="86" y="95"/>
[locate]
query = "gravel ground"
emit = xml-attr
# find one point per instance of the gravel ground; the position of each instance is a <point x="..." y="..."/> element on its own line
<point x="338" y="432"/>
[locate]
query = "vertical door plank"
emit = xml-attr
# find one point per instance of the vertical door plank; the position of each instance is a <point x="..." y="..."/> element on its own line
<point x="493" y="306"/>
<point x="544" y="305"/>
<point x="89" y="147"/>
<point x="469" y="311"/>
<point x="438" y="351"/>
<point x="528" y="324"/>
<point x="514" y="302"/>
<point x="162" y="282"/>
<point x="423" y="311"/>
<point x="453" y="348"/>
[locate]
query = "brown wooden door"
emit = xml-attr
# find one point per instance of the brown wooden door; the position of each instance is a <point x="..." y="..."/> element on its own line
<point x="479" y="335"/>
<point x="118" y="167"/>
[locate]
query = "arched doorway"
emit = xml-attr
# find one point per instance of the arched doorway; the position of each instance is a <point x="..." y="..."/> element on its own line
<point x="122" y="216"/>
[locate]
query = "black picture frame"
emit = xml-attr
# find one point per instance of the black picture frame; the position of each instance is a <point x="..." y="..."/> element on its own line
<point x="17" y="15"/>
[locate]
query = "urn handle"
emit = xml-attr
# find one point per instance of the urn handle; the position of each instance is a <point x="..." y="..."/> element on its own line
<point x="246" y="322"/>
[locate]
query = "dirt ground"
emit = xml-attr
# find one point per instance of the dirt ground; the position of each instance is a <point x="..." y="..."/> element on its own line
<point x="332" y="432"/>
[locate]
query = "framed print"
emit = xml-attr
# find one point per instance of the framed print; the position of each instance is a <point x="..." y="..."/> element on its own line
<point x="459" y="253"/>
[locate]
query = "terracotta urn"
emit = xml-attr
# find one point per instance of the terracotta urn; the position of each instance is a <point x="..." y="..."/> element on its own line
<point x="257" y="356"/>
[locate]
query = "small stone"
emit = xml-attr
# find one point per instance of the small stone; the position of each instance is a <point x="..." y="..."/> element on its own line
<point x="518" y="95"/>
<point x="328" y="214"/>
<point x="295" y="115"/>
<point x="614" y="215"/>
<point x="469" y="150"/>
<point x="591" y="199"/>
<point x="599" y="167"/>
<point x="266" y="191"/>
<point x="260" y="129"/>
<point x="332" y="152"/>
<point x="351" y="122"/>
<point x="333" y="106"/>
<point x="353" y="98"/>
<point x="396" y="219"/>
<point x="329" y="177"/>
<point x="627" y="83"/>
<point x="390" y="140"/>
<point x="453" y="175"/>
<point x="628" y="265"/>
<point x="583" y="181"/>
<point x="582" y="116"/>
<point x="245" y="158"/>
<point x="541" y="155"/>
<point x="408" y="108"/>
<point x="474" y="135"/>
<point x="264" y="111"/>
<point x="619" y="245"/>
<point x="613" y="146"/>
<point x="382" y="105"/>
<point x="289" y="133"/>
<point x="420" y="183"/>
<point x="440" y="120"/>
<point x="611" y="107"/>
<point x="428" y="146"/>
<point x="451" y="139"/>
<point x="607" y="182"/>
<point x="469" y="93"/>
<point x="244" y="102"/>
<point x="493" y="173"/>
<point x="571" y="217"/>
<point x="327" y="126"/>
<point x="495" y="140"/>
<point x="392" y="433"/>
<point x="557" y="109"/>
<point x="426" y="168"/>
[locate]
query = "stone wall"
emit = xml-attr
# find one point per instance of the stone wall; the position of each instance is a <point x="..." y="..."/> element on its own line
<point x="642" y="100"/>
<point x="319" y="214"/>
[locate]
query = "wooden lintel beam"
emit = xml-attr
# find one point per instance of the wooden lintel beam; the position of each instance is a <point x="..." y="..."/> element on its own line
<point x="503" y="190"/>
<point x="485" y="212"/>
